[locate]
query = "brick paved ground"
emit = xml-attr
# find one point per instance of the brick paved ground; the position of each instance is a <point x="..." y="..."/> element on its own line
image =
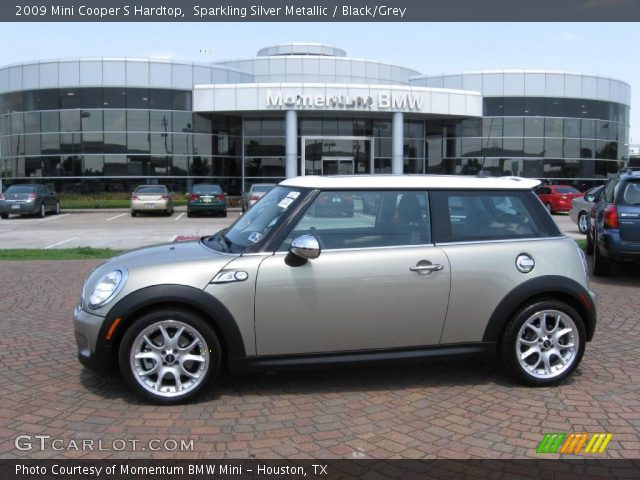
<point x="444" y="409"/>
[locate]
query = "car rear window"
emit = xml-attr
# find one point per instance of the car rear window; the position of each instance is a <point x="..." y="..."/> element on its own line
<point x="567" y="190"/>
<point x="151" y="189"/>
<point x="21" y="189"/>
<point x="631" y="193"/>
<point x="467" y="216"/>
<point x="204" y="189"/>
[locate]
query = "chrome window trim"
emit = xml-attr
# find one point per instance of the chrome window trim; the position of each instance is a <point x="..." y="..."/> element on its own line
<point x="472" y="242"/>
<point x="422" y="245"/>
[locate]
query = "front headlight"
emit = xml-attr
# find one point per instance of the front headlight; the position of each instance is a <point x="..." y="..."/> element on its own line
<point x="106" y="288"/>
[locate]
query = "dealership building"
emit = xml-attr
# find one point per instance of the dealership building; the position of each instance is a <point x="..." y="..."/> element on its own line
<point x="97" y="124"/>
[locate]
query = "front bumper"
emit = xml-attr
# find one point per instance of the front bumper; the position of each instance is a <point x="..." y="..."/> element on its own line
<point x="91" y="353"/>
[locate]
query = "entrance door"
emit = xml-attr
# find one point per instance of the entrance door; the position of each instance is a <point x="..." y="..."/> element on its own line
<point x="336" y="155"/>
<point x="337" y="165"/>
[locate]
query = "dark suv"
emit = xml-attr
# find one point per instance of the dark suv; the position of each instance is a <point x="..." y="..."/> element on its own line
<point x="614" y="233"/>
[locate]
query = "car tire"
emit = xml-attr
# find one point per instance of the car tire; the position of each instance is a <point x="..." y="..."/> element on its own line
<point x="224" y="214"/>
<point x="133" y="213"/>
<point x="194" y="338"/>
<point x="589" y="248"/>
<point x="189" y="214"/>
<point x="600" y="266"/>
<point x="583" y="222"/>
<point x="548" y="207"/>
<point x="4" y="216"/>
<point x="43" y="211"/>
<point x="57" y="210"/>
<point x="525" y="332"/>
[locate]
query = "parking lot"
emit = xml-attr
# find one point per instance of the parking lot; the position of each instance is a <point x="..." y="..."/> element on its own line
<point x="434" y="410"/>
<point x="112" y="229"/>
<point x="116" y="229"/>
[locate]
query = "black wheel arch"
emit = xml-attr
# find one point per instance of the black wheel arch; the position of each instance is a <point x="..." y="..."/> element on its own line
<point x="548" y="286"/>
<point x="173" y="297"/>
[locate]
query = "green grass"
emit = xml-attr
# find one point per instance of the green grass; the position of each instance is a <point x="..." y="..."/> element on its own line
<point x="582" y="243"/>
<point x="104" y="200"/>
<point x="79" y="253"/>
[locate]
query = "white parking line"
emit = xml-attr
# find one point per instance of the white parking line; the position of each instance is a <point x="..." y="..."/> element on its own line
<point x="53" y="217"/>
<point x="117" y="216"/>
<point x="61" y="243"/>
<point x="179" y="216"/>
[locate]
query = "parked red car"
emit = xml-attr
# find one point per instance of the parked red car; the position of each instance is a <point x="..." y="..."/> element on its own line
<point x="557" y="198"/>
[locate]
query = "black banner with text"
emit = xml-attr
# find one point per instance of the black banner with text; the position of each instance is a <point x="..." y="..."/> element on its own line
<point x="318" y="11"/>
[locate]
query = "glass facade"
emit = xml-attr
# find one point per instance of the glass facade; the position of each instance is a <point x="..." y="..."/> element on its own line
<point x="560" y="139"/>
<point x="109" y="138"/>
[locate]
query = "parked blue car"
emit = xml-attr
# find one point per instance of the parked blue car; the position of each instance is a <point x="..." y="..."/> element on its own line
<point x="614" y="232"/>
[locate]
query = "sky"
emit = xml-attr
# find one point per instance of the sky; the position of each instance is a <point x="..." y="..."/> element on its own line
<point x="607" y="49"/>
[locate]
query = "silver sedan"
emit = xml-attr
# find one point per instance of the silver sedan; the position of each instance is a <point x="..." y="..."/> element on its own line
<point x="581" y="206"/>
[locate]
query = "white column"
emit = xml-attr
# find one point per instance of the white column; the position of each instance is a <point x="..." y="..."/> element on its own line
<point x="291" y="143"/>
<point x="397" y="143"/>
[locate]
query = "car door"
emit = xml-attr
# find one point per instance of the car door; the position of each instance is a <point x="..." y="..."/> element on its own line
<point x="378" y="282"/>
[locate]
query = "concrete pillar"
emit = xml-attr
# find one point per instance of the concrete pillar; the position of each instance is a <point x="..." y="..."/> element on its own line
<point x="397" y="143"/>
<point x="291" y="143"/>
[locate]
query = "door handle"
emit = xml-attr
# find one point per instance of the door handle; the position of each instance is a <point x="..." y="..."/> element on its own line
<point x="427" y="268"/>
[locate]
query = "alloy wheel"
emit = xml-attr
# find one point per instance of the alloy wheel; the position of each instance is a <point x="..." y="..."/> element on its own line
<point x="583" y="224"/>
<point x="169" y="358"/>
<point x="547" y="344"/>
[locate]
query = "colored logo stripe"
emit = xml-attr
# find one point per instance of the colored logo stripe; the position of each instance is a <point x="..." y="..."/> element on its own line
<point x="573" y="443"/>
<point x="550" y="443"/>
<point x="598" y="442"/>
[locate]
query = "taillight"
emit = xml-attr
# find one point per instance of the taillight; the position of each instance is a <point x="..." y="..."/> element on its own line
<point x="348" y="198"/>
<point x="1" y="196"/>
<point x="194" y="197"/>
<point x="255" y="198"/>
<point x="610" y="217"/>
<point x="135" y="197"/>
<point x="220" y="197"/>
<point x="164" y="197"/>
<point x="32" y="196"/>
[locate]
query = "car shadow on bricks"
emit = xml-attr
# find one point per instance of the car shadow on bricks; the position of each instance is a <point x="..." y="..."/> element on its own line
<point x="624" y="274"/>
<point x="482" y="373"/>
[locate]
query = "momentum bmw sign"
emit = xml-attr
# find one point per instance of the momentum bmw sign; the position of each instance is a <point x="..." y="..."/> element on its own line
<point x="334" y="97"/>
<point x="381" y="101"/>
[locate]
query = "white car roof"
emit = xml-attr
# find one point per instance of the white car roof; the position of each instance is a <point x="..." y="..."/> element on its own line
<point x="411" y="182"/>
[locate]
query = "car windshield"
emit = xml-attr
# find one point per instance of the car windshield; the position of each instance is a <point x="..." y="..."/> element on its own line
<point x="153" y="189"/>
<point x="254" y="226"/>
<point x="567" y="190"/>
<point x="261" y="188"/>
<point x="21" y="189"/>
<point x="204" y="189"/>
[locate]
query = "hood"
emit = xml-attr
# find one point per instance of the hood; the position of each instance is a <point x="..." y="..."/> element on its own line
<point x="182" y="263"/>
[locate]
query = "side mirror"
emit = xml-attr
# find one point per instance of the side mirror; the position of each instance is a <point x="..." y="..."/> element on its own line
<point x="306" y="247"/>
<point x="590" y="197"/>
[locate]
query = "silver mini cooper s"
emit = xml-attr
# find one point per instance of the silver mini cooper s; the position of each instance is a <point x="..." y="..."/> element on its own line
<point x="422" y="267"/>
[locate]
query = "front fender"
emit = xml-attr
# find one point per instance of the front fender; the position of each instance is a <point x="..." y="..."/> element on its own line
<point x="174" y="296"/>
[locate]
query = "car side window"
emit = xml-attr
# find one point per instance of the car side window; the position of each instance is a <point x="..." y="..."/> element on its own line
<point x="475" y="216"/>
<point x="365" y="219"/>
